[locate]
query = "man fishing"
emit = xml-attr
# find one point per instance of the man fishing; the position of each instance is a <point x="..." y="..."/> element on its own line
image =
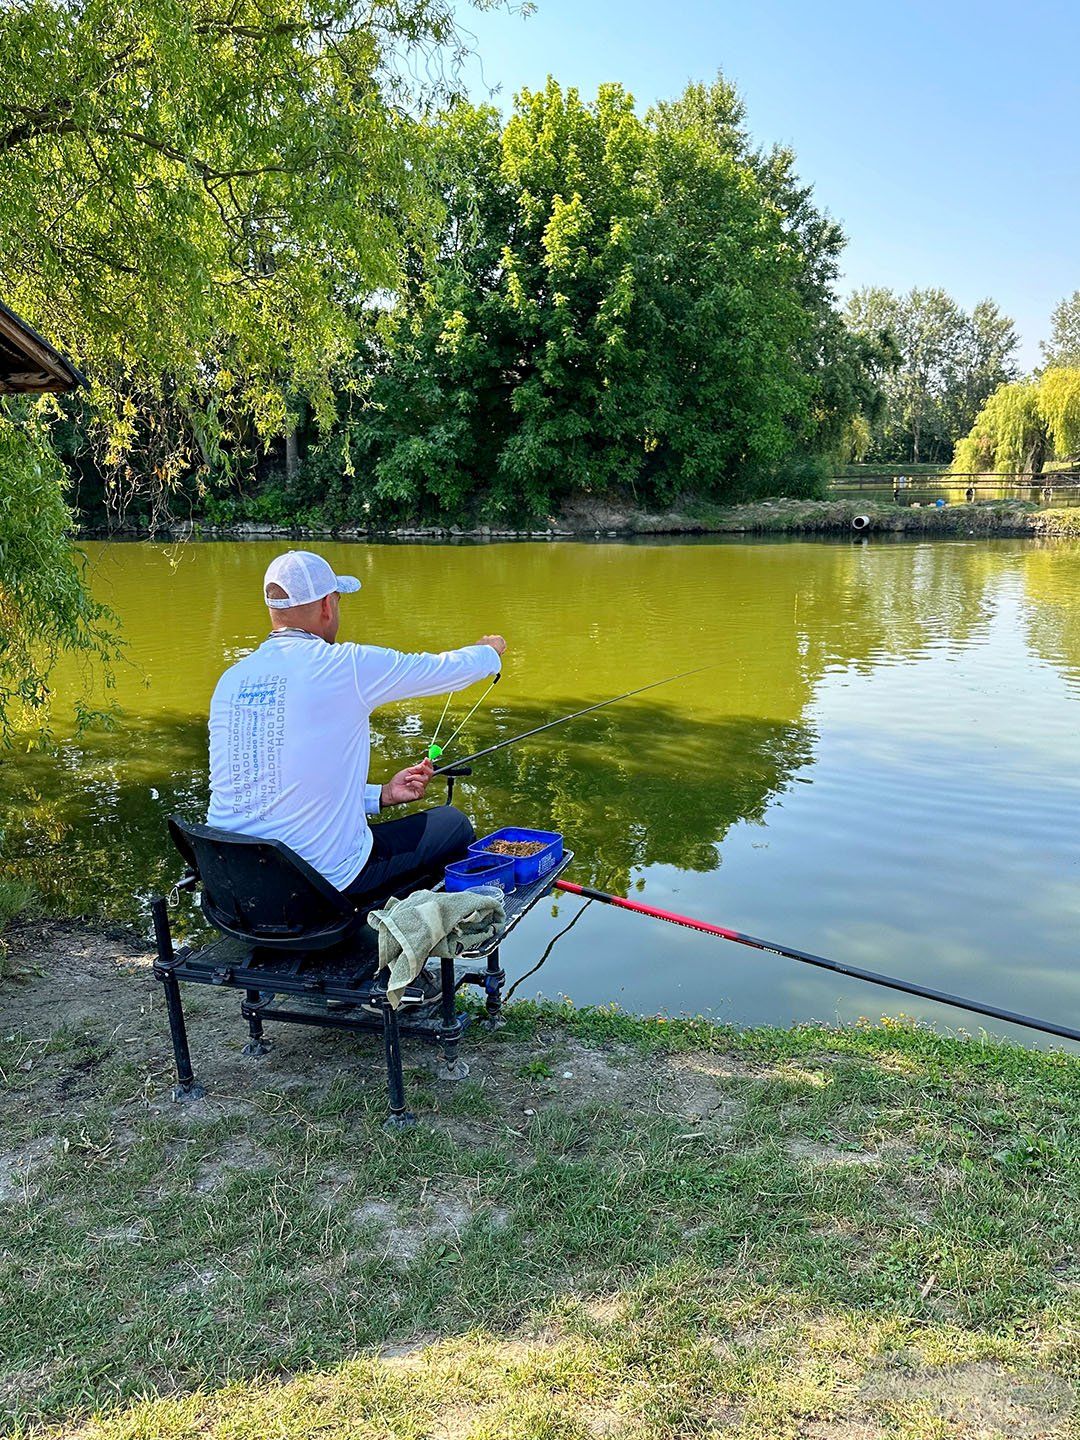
<point x="290" y="745"/>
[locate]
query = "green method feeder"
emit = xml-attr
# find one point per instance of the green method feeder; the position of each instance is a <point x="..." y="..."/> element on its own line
<point x="433" y="752"/>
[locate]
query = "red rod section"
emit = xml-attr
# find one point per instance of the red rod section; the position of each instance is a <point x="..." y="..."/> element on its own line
<point x="873" y="977"/>
<point x="640" y="909"/>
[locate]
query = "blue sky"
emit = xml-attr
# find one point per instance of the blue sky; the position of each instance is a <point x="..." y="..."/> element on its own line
<point x="944" y="137"/>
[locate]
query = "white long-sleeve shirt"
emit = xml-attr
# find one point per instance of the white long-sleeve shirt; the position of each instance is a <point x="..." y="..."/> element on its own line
<point x="290" y="744"/>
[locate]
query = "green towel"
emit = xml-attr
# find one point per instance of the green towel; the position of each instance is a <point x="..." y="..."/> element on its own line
<point x="431" y="923"/>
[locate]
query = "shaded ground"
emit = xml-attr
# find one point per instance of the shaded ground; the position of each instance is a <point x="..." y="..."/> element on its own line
<point x="615" y="1227"/>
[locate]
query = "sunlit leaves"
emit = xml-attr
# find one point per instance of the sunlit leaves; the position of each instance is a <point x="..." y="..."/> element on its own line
<point x="619" y="305"/>
<point x="1022" y="426"/>
<point x="198" y="197"/>
<point x="44" y="605"/>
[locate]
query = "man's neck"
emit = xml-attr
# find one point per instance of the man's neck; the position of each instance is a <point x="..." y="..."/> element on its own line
<point x="294" y="630"/>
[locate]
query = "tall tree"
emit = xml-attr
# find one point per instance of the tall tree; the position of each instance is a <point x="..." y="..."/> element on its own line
<point x="983" y="361"/>
<point x="1024" y="425"/>
<point x="197" y="197"/>
<point x="1063" y="347"/>
<point x="949" y="362"/>
<point x="618" y="304"/>
<point x="843" y="372"/>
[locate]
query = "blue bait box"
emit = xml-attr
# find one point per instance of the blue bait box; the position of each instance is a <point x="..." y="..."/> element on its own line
<point x="480" y="870"/>
<point x="527" y="868"/>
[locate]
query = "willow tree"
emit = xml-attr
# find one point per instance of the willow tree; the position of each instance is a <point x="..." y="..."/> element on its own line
<point x="44" y="606"/>
<point x="197" y="199"/>
<point x="1059" y="402"/>
<point x="1024" y="425"/>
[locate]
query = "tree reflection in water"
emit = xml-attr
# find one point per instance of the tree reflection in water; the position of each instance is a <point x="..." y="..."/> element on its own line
<point x="657" y="780"/>
<point x="643" y="788"/>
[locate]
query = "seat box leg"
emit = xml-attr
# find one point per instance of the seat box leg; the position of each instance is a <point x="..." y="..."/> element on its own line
<point x="493" y="985"/>
<point x="257" y="1045"/>
<point x="187" y="1087"/>
<point x="452" y="1067"/>
<point x="399" y="1118"/>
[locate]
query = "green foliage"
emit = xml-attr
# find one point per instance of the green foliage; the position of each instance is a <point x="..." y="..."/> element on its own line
<point x="858" y="438"/>
<point x="795" y="476"/>
<point x="616" y="305"/>
<point x="319" y="495"/>
<point x="45" y="607"/>
<point x="225" y="213"/>
<point x="949" y="362"/>
<point x="1006" y="433"/>
<point x="1023" y="425"/>
<point x="18" y="901"/>
<point x="1059" y="404"/>
<point x="1064" y="346"/>
<point x="199" y="196"/>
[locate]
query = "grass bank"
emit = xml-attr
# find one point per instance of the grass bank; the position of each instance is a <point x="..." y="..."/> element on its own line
<point x="19" y="902"/>
<point x="837" y="517"/>
<point x="614" y="1227"/>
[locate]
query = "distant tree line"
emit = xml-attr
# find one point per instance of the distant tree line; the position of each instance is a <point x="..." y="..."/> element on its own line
<point x="949" y="362"/>
<point x="955" y="375"/>
<point x="394" y="303"/>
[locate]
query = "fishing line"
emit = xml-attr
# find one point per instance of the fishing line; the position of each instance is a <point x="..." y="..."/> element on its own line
<point x="562" y="719"/>
<point x="434" y="751"/>
<point x="472" y="712"/>
<point x="551" y="946"/>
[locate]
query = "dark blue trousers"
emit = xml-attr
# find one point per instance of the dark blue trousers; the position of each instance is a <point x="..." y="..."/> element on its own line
<point x="411" y="852"/>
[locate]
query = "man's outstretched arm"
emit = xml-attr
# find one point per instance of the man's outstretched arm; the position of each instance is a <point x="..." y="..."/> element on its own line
<point x="386" y="675"/>
<point x="397" y="682"/>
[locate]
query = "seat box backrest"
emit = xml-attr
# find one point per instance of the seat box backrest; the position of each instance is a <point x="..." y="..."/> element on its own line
<point x="257" y="887"/>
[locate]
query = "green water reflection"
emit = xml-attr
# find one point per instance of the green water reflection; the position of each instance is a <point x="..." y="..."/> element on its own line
<point x="880" y="765"/>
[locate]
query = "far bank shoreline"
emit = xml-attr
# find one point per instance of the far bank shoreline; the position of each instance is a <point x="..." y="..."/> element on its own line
<point x="603" y="521"/>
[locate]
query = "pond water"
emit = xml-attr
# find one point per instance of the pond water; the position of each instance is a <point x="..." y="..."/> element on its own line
<point x="882" y="766"/>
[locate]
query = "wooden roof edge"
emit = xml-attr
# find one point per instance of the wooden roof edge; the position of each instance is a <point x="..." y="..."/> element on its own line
<point x="56" y="372"/>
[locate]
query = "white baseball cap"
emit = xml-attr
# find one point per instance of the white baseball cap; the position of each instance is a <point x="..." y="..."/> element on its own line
<point x="304" y="577"/>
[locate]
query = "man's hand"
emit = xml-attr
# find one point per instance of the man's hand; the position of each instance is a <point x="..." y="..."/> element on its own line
<point x="496" y="642"/>
<point x="408" y="785"/>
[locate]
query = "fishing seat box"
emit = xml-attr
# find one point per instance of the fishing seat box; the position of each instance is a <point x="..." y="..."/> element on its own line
<point x="302" y="953"/>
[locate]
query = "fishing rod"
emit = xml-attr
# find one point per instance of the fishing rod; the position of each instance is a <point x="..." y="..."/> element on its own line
<point x="562" y="719"/>
<point x="874" y="977"/>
